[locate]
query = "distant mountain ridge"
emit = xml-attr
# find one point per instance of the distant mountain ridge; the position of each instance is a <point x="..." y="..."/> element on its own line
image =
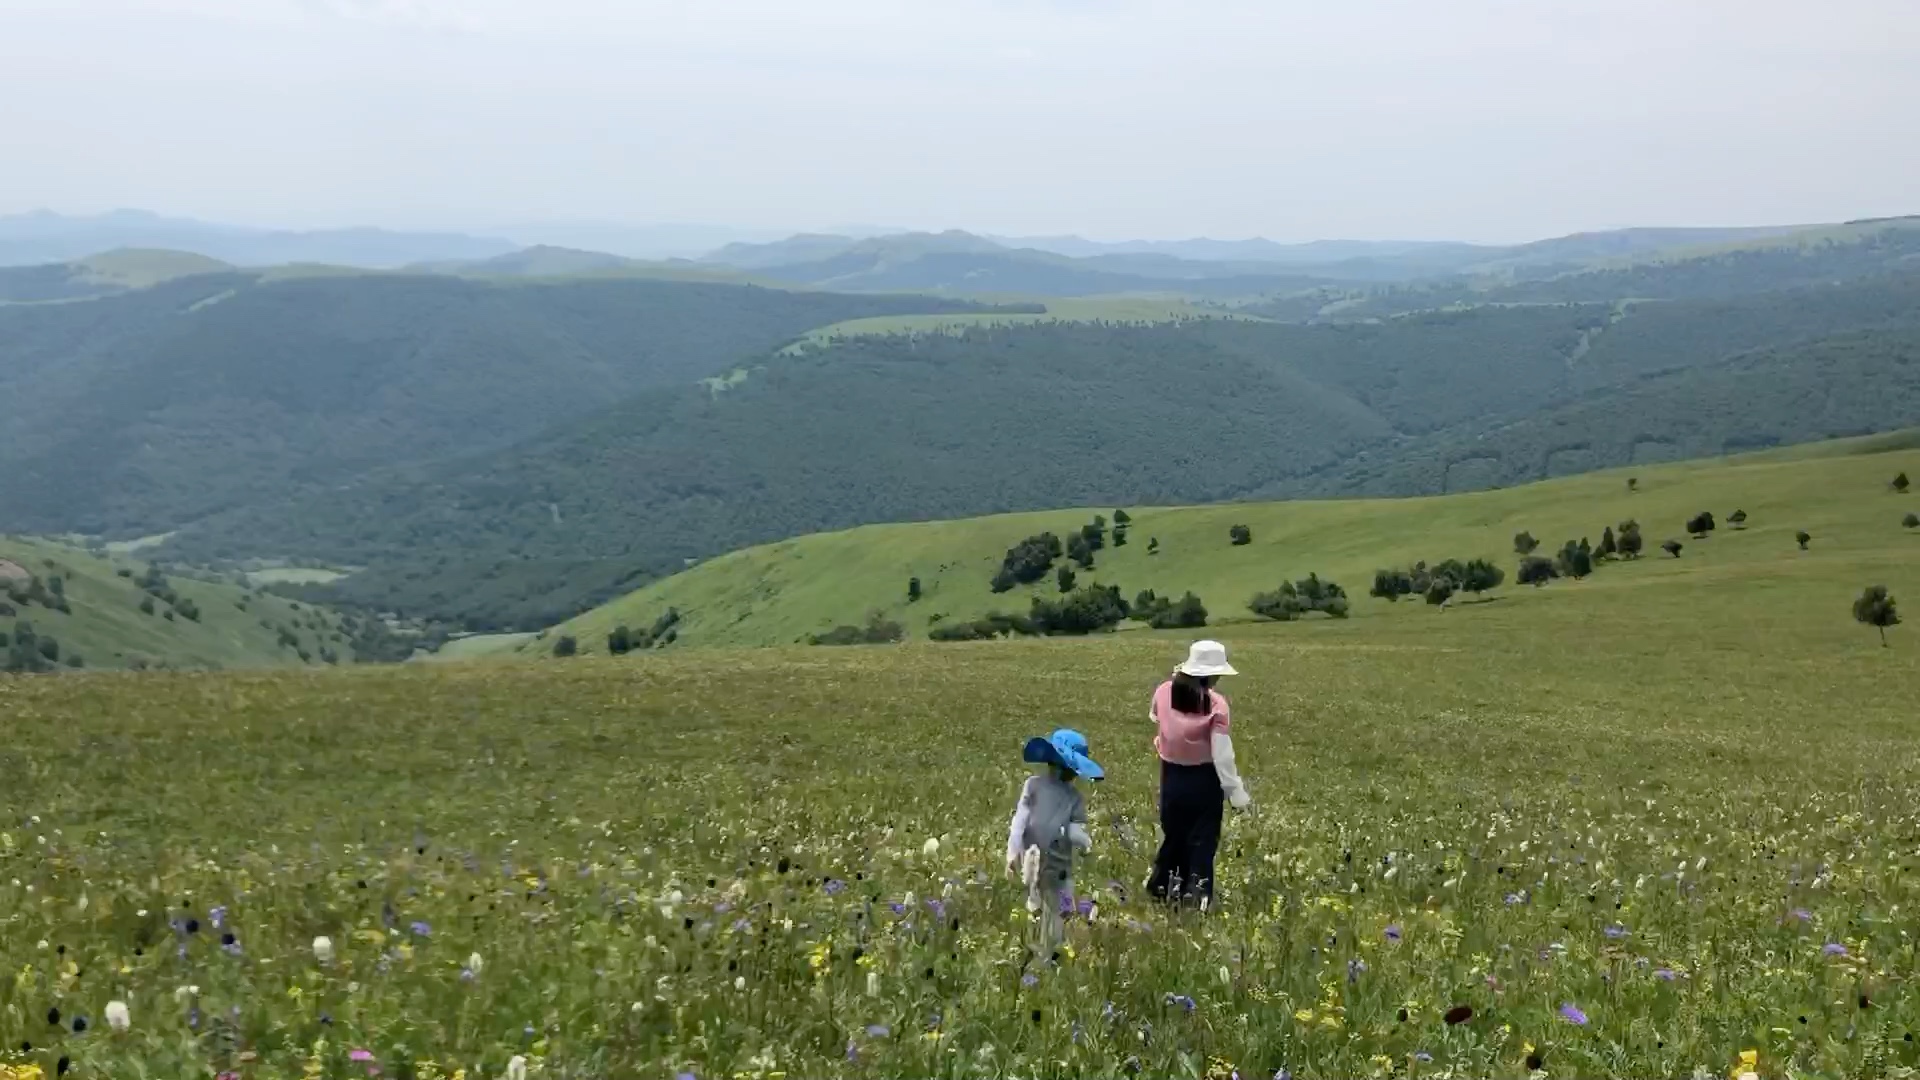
<point x="44" y="237"/>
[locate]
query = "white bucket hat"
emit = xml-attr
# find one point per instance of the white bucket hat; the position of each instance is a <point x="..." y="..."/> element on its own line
<point x="1205" y="660"/>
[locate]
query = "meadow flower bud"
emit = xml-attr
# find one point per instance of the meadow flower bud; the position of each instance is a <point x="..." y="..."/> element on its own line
<point x="323" y="949"/>
<point x="517" y="1067"/>
<point x="474" y="963"/>
<point x="117" y="1017"/>
<point x="740" y="982"/>
<point x="931" y="847"/>
<point x="873" y="984"/>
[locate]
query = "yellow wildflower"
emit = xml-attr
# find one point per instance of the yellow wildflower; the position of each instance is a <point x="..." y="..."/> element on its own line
<point x="1305" y="1016"/>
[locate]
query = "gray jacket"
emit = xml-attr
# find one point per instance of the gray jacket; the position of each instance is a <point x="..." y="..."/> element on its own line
<point x="1052" y="816"/>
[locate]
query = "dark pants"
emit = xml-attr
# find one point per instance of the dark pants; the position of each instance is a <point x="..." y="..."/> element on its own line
<point x="1191" y="805"/>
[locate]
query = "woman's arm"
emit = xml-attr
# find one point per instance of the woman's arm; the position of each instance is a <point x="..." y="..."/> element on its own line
<point x="1077" y="827"/>
<point x="1223" y="764"/>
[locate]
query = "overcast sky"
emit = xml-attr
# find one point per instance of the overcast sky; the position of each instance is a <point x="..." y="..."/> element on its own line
<point x="1488" y="120"/>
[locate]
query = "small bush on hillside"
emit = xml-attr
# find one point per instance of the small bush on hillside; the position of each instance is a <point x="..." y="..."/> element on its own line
<point x="1524" y="544"/>
<point x="913" y="590"/>
<point x="50" y="649"/>
<point x="189" y="610"/>
<point x="1480" y="575"/>
<point x="1086" y="610"/>
<point x="1575" y="560"/>
<point x="1119" y="536"/>
<point x="1804" y="538"/>
<point x="1633" y="484"/>
<point x="1608" y="546"/>
<point x="1672" y="547"/>
<point x="1536" y="570"/>
<point x="1186" y="613"/>
<point x="879" y="630"/>
<point x="565" y="646"/>
<point x="1065" y="579"/>
<point x="1095" y="534"/>
<point x="123" y="572"/>
<point x="1080" y="551"/>
<point x="1700" y="525"/>
<point x="620" y="641"/>
<point x="1900" y="483"/>
<point x="1296" y="598"/>
<point x="1122" y="518"/>
<point x="1737" y="519"/>
<point x="1153" y="545"/>
<point x="1911" y="521"/>
<point x="1391" y="585"/>
<point x="76" y="661"/>
<point x="1240" y="535"/>
<point x="1875" y="608"/>
<point x="991" y="625"/>
<point x="1440" y="591"/>
<point x="1027" y="562"/>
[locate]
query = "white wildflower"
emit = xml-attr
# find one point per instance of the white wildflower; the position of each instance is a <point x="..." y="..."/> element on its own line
<point x="931" y="847"/>
<point x="117" y="1017"/>
<point x="475" y="963"/>
<point x="323" y="949"/>
<point x="517" y="1067"/>
<point x="873" y="984"/>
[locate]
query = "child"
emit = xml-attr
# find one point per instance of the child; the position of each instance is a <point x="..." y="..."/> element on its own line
<point x="1049" y="826"/>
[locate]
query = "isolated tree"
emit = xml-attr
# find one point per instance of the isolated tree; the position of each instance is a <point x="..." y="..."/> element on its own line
<point x="146" y="605"/>
<point x="1119" y="536"/>
<point x="1738" y="519"/>
<point x="1911" y="521"/>
<point x="1633" y="484"/>
<point x="1900" y="483"/>
<point x="1804" y="537"/>
<point x="1672" y="547"/>
<point x="566" y="646"/>
<point x="1524" y="544"/>
<point x="1700" y="525"/>
<point x="913" y="590"/>
<point x="1065" y="578"/>
<point x="1875" y="609"/>
<point x="1240" y="535"/>
<point x="1153" y="545"/>
<point x="1608" y="547"/>
<point x="1536" y="570"/>
<point x="1631" y="543"/>
<point x="1122" y="518"/>
<point x="1096" y="533"/>
<point x="620" y="642"/>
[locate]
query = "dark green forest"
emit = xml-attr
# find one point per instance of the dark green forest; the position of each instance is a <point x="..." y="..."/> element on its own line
<point x="887" y="429"/>
<point x="142" y="412"/>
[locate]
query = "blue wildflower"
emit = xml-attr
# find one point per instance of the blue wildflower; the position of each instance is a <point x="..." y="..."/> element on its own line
<point x="1833" y="948"/>
<point x="878" y="1031"/>
<point x="421" y="929"/>
<point x="1571" y="1014"/>
<point x="1393" y="933"/>
<point x="1615" y="931"/>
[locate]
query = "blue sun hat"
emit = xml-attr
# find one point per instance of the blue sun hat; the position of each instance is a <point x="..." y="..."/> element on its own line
<point x="1066" y="748"/>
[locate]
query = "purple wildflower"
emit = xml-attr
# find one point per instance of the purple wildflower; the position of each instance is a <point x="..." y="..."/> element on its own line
<point x="1393" y="933"/>
<point x="878" y="1031"/>
<point x="835" y="886"/>
<point x="741" y="926"/>
<point x="722" y="908"/>
<point x="467" y="975"/>
<point x="685" y="1076"/>
<point x="897" y="908"/>
<point x="1571" y="1014"/>
<point x="1181" y="1000"/>
<point x="1800" y="914"/>
<point x="421" y="929"/>
<point x="1833" y="948"/>
<point x="853" y="1051"/>
<point x="1355" y="968"/>
<point x="938" y="907"/>
<point x="1085" y="908"/>
<point x="1422" y="1056"/>
<point x="1664" y="974"/>
<point x="218" y="916"/>
<point x="1616" y="931"/>
<point x="1282" y="1073"/>
<point x="1029" y="979"/>
<point x="1515" y="898"/>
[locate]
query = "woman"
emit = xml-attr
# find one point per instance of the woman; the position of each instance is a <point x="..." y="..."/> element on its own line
<point x="1197" y="774"/>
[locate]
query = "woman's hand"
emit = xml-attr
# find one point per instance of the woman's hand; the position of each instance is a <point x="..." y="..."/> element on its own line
<point x="1240" y="800"/>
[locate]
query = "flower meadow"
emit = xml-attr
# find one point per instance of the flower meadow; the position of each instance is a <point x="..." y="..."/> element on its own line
<point x="1499" y="854"/>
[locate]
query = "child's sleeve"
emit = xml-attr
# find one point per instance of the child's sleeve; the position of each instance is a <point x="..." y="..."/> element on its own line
<point x="1017" y="831"/>
<point x="1223" y="762"/>
<point x="1077" y="827"/>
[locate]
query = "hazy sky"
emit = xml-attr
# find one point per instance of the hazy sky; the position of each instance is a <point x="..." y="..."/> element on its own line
<point x="1296" y="119"/>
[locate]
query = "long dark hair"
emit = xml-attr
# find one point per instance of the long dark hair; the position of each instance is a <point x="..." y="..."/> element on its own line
<point x="1191" y="694"/>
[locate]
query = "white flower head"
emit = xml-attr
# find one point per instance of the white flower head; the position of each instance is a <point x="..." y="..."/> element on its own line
<point x="931" y="847"/>
<point x="873" y="984"/>
<point x="117" y="1017"/>
<point x="323" y="949"/>
<point x="517" y="1067"/>
<point x="475" y="963"/>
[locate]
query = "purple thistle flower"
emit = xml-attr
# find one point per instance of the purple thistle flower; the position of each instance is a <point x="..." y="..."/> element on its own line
<point x="1833" y="948"/>
<point x="1066" y="903"/>
<point x="685" y="1076"/>
<point x="835" y="886"/>
<point x="878" y="1031"/>
<point x="1571" y="1014"/>
<point x="1393" y="933"/>
<point x="1664" y="974"/>
<point x="897" y="908"/>
<point x="1616" y="931"/>
<point x="421" y="929"/>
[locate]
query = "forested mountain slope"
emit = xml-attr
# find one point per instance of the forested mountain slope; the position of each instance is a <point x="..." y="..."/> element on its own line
<point x="137" y="413"/>
<point x="900" y="428"/>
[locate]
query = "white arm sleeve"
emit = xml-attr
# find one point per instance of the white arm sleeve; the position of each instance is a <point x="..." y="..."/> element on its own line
<point x="1017" y="831"/>
<point x="1077" y="834"/>
<point x="1229" y="774"/>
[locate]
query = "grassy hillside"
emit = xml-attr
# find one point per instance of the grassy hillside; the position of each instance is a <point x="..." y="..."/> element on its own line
<point x="235" y="627"/>
<point x="105" y="274"/>
<point x="1101" y="309"/>
<point x="1837" y="491"/>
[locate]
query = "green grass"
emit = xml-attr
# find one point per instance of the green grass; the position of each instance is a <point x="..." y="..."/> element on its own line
<point x="138" y="268"/>
<point x="474" y="646"/>
<point x="1837" y="491"/>
<point x="1123" y="310"/>
<point x="1705" y="757"/>
<point x="108" y="630"/>
<point x="294" y="575"/>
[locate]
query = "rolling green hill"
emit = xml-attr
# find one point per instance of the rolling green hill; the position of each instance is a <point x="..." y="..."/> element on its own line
<point x="1008" y="419"/>
<point x="192" y="623"/>
<point x="133" y="414"/>
<point x="1837" y="491"/>
<point x="105" y="274"/>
